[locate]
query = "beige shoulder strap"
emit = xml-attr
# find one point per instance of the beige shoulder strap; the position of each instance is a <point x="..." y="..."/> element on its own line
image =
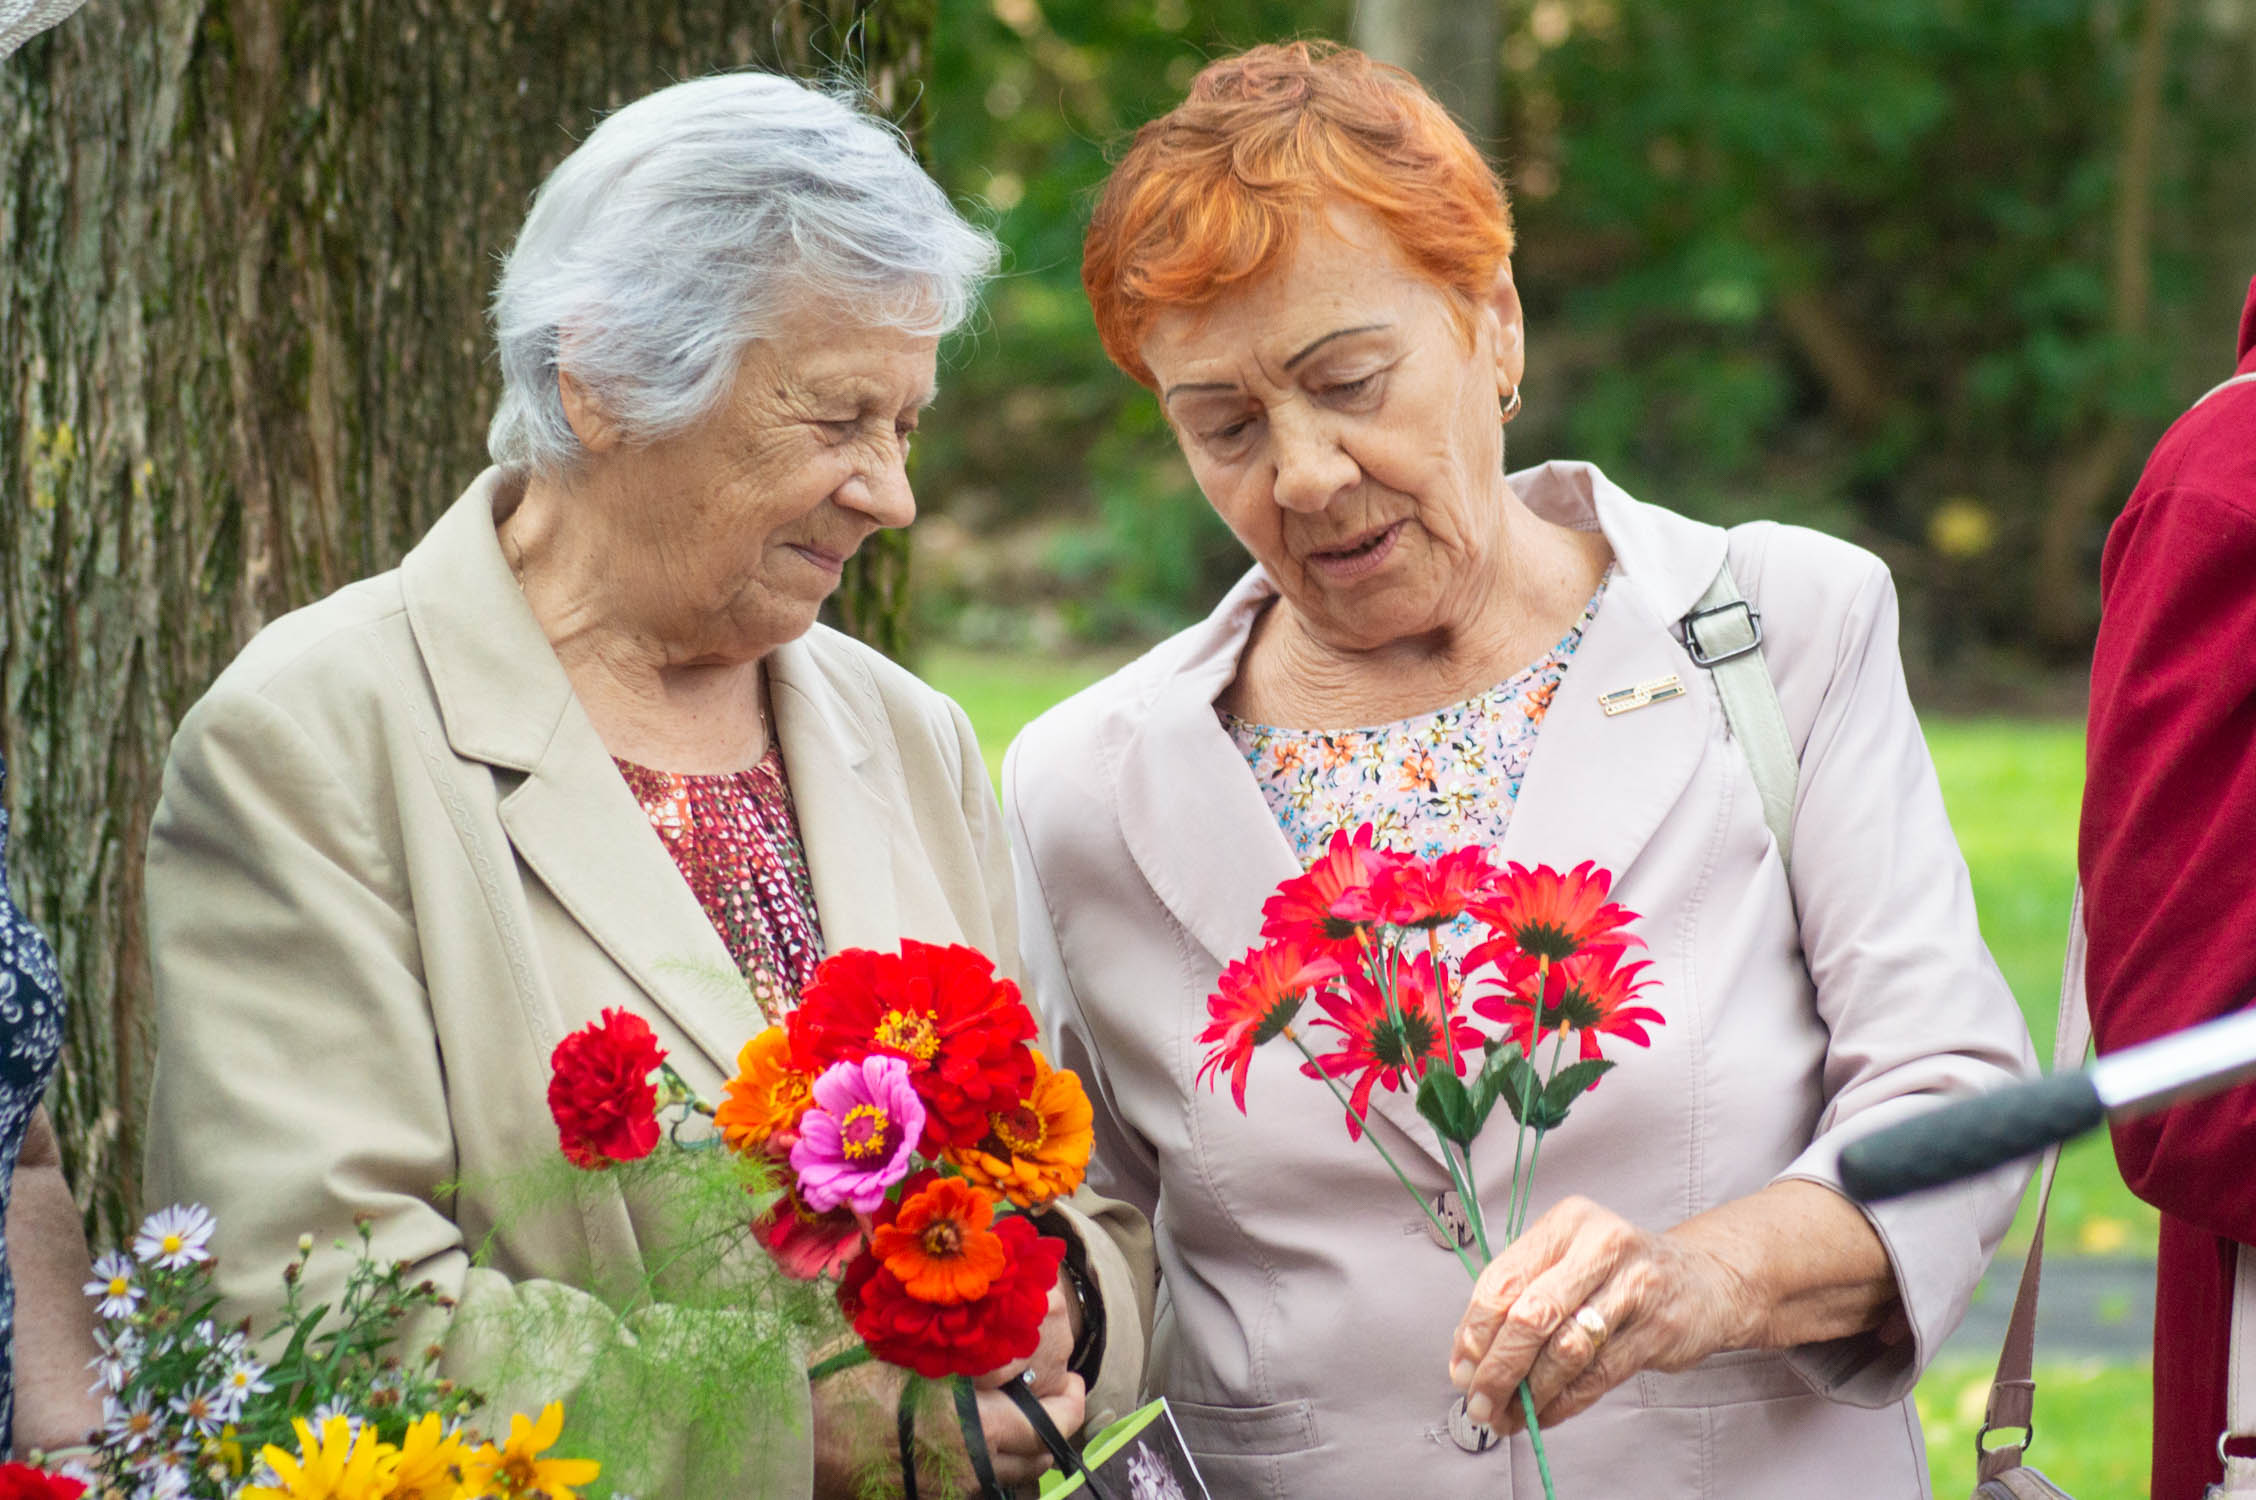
<point x="1724" y="634"/>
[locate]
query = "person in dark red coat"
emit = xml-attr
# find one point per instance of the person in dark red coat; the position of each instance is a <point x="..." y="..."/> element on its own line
<point x="2168" y="858"/>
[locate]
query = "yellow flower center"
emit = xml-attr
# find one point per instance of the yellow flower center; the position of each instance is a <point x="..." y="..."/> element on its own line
<point x="862" y="1133"/>
<point x="119" y="1286"/>
<point x="1023" y="1130"/>
<point x="172" y="1244"/>
<point x="910" y="1031"/>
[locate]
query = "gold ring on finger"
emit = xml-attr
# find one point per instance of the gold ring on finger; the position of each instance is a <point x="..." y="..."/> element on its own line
<point x="1593" y="1324"/>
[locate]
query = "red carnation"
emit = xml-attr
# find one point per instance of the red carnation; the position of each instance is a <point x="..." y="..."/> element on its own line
<point x="940" y="1008"/>
<point x="963" y="1338"/>
<point x="600" y="1092"/>
<point x="23" y="1482"/>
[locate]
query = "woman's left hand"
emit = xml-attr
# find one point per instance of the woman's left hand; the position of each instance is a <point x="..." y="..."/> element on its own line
<point x="1582" y="1301"/>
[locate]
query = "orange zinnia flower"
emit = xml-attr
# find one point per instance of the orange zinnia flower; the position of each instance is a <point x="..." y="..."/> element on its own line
<point x="1039" y="1150"/>
<point x="766" y="1097"/>
<point x="941" y="1246"/>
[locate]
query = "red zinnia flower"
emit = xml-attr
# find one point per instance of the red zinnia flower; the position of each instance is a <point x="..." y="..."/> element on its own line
<point x="1589" y="994"/>
<point x="1545" y="914"/>
<point x="23" y="1482"/>
<point x="959" y="1338"/>
<point x="600" y="1092"/>
<point x="1423" y="892"/>
<point x="940" y="1008"/>
<point x="1255" y="999"/>
<point x="1308" y="906"/>
<point x="1378" y="1047"/>
<point x="806" y="1244"/>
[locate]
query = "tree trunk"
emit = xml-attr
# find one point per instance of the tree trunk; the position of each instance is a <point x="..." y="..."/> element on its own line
<point x="245" y="248"/>
<point x="2078" y="483"/>
<point x="1455" y="47"/>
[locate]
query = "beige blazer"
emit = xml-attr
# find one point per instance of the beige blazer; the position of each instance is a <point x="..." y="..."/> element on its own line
<point x="393" y="866"/>
<point x="1305" y="1316"/>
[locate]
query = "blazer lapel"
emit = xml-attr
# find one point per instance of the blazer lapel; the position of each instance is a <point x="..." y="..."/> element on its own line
<point x="1596" y="787"/>
<point x="838" y="788"/>
<point x="1190" y="813"/>
<point x="504" y="700"/>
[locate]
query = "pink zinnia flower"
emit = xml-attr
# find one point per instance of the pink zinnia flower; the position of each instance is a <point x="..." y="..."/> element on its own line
<point x="856" y="1138"/>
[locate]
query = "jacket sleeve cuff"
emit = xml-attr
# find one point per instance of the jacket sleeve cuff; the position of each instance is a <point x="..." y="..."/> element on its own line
<point x="1938" y="1244"/>
<point x="1114" y="1243"/>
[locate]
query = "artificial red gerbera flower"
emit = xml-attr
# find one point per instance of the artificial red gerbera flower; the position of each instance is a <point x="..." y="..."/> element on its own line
<point x="1590" y="994"/>
<point x="941" y="1009"/>
<point x="1255" y="999"/>
<point x="957" y="1338"/>
<point x="600" y="1092"/>
<point x="1423" y="892"/>
<point x="1308" y="906"/>
<point x="1379" y="1045"/>
<point x="1546" y="915"/>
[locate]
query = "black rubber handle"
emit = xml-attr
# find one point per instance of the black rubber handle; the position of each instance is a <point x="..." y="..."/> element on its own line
<point x="1970" y="1137"/>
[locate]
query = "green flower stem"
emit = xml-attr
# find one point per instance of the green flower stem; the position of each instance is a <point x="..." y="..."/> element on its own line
<point x="1527" y="1398"/>
<point x="1388" y="1157"/>
<point x="844" y="1359"/>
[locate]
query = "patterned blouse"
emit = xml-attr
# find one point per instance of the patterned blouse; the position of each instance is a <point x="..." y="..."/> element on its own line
<point x="31" y="1037"/>
<point x="1430" y="783"/>
<point x="737" y="843"/>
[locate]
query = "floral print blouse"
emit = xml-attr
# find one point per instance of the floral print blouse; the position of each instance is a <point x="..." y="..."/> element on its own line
<point x="736" y="840"/>
<point x="1427" y="784"/>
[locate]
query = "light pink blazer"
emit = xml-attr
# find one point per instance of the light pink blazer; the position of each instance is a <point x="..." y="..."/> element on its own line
<point x="1305" y="1316"/>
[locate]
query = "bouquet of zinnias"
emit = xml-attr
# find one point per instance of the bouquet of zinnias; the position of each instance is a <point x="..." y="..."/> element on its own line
<point x="1359" y="936"/>
<point x="192" y="1409"/>
<point x="912" y="1128"/>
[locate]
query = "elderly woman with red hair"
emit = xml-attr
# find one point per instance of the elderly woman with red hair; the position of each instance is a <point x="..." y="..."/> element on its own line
<point x="1308" y="264"/>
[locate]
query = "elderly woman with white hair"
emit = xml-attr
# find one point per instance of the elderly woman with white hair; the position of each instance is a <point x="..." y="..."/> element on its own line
<point x="587" y="745"/>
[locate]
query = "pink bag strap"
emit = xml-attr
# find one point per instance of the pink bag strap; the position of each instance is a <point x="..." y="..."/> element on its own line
<point x="2013" y="1394"/>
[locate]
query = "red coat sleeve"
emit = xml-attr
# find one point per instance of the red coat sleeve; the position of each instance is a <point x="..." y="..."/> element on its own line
<point x="2168" y="843"/>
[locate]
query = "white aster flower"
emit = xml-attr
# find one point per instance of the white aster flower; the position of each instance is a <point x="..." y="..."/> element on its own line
<point x="115" y="1292"/>
<point x="128" y="1428"/>
<point x="165" y="1481"/>
<point x="244" y="1379"/>
<point x="176" y="1237"/>
<point x="119" y="1358"/>
<point x="329" y="1409"/>
<point x="201" y="1411"/>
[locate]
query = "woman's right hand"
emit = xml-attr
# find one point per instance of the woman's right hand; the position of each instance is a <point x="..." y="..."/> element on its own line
<point x="855" y="1431"/>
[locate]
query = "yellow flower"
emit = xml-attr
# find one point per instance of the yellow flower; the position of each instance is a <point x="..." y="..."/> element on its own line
<point x="431" y="1461"/>
<point x="337" y="1465"/>
<point x="516" y="1470"/>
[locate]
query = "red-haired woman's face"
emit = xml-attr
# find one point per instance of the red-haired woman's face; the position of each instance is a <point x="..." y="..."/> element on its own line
<point x="1346" y="429"/>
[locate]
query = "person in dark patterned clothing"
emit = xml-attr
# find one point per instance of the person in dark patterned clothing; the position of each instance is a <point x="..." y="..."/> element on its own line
<point x="46" y="1341"/>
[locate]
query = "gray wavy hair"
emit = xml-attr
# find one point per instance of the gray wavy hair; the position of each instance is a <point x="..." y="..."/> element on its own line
<point x="679" y="231"/>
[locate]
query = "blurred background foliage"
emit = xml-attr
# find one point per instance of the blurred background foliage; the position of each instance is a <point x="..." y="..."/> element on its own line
<point x="1930" y="274"/>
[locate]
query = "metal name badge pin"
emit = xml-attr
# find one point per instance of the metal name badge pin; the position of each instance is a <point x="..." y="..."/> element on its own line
<point x="1659" y="690"/>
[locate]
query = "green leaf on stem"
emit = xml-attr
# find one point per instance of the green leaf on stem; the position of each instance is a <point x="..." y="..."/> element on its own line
<point x="1571" y="1083"/>
<point x="1442" y="1099"/>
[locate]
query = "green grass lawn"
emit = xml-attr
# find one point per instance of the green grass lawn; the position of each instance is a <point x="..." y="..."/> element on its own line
<point x="2013" y="788"/>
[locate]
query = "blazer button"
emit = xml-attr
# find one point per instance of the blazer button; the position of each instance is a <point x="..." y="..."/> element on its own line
<point x="1472" y="1436"/>
<point x="1455" y="1230"/>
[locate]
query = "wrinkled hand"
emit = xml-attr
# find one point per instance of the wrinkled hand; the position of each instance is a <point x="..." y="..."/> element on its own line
<point x="854" y="1416"/>
<point x="1018" y="1454"/>
<point x="1667" y="1305"/>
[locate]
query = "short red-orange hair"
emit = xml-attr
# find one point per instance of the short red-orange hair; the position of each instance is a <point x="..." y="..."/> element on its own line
<point x="1215" y="193"/>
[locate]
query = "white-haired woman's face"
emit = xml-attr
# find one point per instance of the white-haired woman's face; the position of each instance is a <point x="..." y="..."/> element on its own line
<point x="1342" y="424"/>
<point x="733" y="532"/>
